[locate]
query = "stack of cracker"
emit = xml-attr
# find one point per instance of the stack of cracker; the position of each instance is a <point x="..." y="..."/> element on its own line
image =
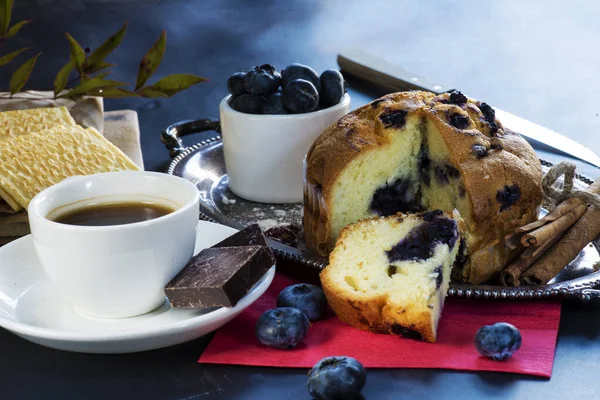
<point x="39" y="148"/>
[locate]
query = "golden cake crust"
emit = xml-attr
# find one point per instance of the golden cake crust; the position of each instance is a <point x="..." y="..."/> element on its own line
<point x="509" y="165"/>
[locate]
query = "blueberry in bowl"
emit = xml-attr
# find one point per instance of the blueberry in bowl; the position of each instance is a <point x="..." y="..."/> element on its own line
<point x="332" y="87"/>
<point x="274" y="104"/>
<point x="335" y="378"/>
<point x="499" y="341"/>
<point x="297" y="90"/>
<point x="235" y="84"/>
<point x="282" y="327"/>
<point x="262" y="80"/>
<point x="300" y="96"/>
<point x="299" y="71"/>
<point x="303" y="296"/>
<point x="248" y="103"/>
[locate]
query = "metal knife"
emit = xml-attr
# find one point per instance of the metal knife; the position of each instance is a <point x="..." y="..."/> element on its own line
<point x="395" y="78"/>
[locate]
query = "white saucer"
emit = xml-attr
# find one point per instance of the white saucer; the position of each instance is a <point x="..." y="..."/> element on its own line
<point x="31" y="307"/>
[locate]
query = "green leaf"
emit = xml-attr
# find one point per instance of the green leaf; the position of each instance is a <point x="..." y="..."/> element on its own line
<point x="20" y="77"/>
<point x="77" y="52"/>
<point x="60" y="82"/>
<point x="103" y="75"/>
<point x="114" y="93"/>
<point x="107" y="47"/>
<point x="150" y="93"/>
<point x="5" y="14"/>
<point x="98" y="67"/>
<point x="11" y="56"/>
<point x="172" y="84"/>
<point x="151" y="60"/>
<point x="15" y="28"/>
<point x="92" y="85"/>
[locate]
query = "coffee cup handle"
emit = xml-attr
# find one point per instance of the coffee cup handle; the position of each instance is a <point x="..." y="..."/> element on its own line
<point x="171" y="136"/>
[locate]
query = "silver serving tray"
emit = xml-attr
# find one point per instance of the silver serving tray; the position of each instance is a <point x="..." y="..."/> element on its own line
<point x="203" y="164"/>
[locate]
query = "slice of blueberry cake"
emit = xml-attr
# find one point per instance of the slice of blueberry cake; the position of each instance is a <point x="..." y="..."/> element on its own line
<point x="391" y="274"/>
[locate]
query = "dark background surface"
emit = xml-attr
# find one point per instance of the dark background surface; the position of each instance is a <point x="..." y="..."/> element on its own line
<point x="536" y="59"/>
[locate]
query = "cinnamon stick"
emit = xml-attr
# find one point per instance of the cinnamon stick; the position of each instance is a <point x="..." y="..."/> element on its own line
<point x="513" y="240"/>
<point x="562" y="209"/>
<point x="511" y="276"/>
<point x="557" y="227"/>
<point x="565" y="250"/>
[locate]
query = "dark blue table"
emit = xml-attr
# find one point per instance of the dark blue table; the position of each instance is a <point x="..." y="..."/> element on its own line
<point x="537" y="59"/>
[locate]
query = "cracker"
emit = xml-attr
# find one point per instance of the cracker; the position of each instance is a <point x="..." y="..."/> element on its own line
<point x="55" y="140"/>
<point x="23" y="122"/>
<point x="36" y="167"/>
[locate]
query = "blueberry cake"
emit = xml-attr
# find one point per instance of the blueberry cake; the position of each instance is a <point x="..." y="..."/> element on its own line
<point x="416" y="151"/>
<point x="391" y="274"/>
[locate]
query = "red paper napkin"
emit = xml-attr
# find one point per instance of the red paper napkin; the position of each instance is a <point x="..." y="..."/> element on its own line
<point x="538" y="322"/>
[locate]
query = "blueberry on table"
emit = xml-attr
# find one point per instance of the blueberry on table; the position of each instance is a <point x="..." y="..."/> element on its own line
<point x="282" y="328"/>
<point x="299" y="71"/>
<point x="303" y="296"/>
<point x="274" y="104"/>
<point x="300" y="96"/>
<point x="235" y="84"/>
<point x="248" y="103"/>
<point x="262" y="80"/>
<point x="336" y="378"/>
<point x="499" y="341"/>
<point x="332" y="88"/>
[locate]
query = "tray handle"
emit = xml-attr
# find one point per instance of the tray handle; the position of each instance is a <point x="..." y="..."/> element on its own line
<point x="171" y="136"/>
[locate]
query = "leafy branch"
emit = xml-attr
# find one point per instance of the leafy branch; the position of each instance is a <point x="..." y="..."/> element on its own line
<point x="92" y="69"/>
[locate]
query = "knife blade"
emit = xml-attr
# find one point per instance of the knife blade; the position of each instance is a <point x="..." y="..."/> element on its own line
<point x="393" y="77"/>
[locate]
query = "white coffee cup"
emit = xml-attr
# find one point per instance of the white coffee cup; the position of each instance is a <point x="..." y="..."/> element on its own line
<point x="264" y="153"/>
<point x="115" y="271"/>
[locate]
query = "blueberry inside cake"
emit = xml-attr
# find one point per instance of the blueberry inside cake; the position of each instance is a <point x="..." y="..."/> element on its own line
<point x="391" y="274"/>
<point x="414" y="151"/>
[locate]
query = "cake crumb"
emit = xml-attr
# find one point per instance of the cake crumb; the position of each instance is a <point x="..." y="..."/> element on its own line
<point x="267" y="223"/>
<point x="227" y="200"/>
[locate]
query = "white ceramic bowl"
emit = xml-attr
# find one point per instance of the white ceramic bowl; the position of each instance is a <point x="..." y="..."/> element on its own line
<point x="115" y="271"/>
<point x="264" y="153"/>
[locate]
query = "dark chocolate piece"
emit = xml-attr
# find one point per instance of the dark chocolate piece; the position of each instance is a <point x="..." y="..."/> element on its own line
<point x="250" y="236"/>
<point x="283" y="234"/>
<point x="218" y="277"/>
